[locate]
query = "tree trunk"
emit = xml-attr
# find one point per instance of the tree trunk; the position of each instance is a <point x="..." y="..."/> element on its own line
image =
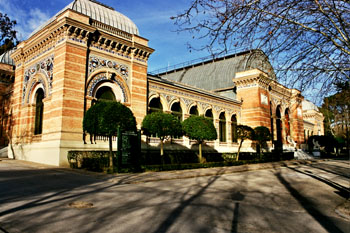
<point x="239" y="149"/>
<point x="200" y="152"/>
<point x="161" y="150"/>
<point x="110" y="152"/>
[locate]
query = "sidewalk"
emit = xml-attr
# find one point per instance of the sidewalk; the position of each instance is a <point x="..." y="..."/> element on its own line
<point x="133" y="178"/>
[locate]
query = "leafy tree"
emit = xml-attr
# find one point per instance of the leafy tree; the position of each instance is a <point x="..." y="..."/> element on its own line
<point x="162" y="125"/>
<point x="336" y="110"/>
<point x="105" y="118"/>
<point x="8" y="37"/>
<point x="307" y="39"/>
<point x="244" y="132"/>
<point x="199" y="128"/>
<point x="261" y="136"/>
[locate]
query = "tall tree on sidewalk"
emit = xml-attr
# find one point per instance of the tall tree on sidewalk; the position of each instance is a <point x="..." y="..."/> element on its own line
<point x="308" y="40"/>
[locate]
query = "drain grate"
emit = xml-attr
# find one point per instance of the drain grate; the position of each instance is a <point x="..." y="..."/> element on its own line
<point x="81" y="205"/>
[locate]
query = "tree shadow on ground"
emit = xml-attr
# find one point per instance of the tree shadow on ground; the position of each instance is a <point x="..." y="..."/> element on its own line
<point x="322" y="219"/>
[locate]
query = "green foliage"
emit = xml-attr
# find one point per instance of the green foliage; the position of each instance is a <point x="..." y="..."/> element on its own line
<point x="104" y="118"/>
<point x="7" y="32"/>
<point x="261" y="136"/>
<point x="244" y="132"/>
<point x="162" y="125"/>
<point x="199" y="128"/>
<point x="114" y="116"/>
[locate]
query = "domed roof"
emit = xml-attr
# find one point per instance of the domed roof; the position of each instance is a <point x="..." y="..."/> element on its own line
<point x="6" y="59"/>
<point x="99" y="12"/>
<point x="307" y="105"/>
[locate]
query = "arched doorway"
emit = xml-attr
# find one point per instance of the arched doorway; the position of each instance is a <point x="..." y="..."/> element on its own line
<point x="278" y="127"/>
<point x="271" y="122"/>
<point x="39" y="112"/>
<point x="287" y="123"/>
<point x="234" y="128"/>
<point x="105" y="93"/>
<point x="222" y="127"/>
<point x="194" y="111"/>
<point x="209" y="114"/>
<point x="176" y="110"/>
<point x="155" y="106"/>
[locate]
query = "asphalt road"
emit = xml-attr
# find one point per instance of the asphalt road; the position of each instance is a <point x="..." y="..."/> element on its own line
<point x="301" y="198"/>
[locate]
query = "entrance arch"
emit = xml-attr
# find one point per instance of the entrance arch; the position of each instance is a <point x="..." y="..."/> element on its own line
<point x="278" y="126"/>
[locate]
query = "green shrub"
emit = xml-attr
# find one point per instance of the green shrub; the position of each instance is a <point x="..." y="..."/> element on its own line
<point x="199" y="128"/>
<point x="162" y="125"/>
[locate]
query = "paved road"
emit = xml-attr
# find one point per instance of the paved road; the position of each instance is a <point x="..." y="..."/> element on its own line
<point x="298" y="198"/>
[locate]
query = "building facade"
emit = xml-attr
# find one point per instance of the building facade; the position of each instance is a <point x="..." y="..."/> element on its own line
<point x="88" y="51"/>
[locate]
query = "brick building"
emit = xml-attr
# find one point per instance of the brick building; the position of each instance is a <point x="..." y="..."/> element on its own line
<point x="89" y="51"/>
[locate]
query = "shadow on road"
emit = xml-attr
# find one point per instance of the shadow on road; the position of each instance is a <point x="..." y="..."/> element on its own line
<point x="323" y="220"/>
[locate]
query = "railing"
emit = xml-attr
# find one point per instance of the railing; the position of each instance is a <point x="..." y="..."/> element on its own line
<point x="105" y="138"/>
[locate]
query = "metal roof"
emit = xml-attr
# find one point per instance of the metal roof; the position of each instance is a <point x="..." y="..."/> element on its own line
<point x="6" y="59"/>
<point x="99" y="12"/>
<point x="218" y="73"/>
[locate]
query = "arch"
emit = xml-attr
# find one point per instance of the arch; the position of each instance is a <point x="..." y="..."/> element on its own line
<point x="222" y="127"/>
<point x="278" y="125"/>
<point x="194" y="110"/>
<point x="105" y="93"/>
<point x="39" y="111"/>
<point x="287" y="122"/>
<point x="209" y="114"/>
<point x="234" y="128"/>
<point x="113" y="80"/>
<point x="176" y="110"/>
<point x="38" y="81"/>
<point x="155" y="105"/>
<point x="271" y="122"/>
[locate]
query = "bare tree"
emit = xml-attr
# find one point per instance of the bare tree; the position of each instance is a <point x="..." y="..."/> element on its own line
<point x="307" y="40"/>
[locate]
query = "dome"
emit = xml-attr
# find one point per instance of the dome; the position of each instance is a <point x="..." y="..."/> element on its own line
<point x="6" y="59"/>
<point x="307" y="105"/>
<point x="99" y="12"/>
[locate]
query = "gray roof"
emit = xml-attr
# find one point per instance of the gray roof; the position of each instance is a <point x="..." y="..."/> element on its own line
<point x="6" y="59"/>
<point x="182" y="86"/>
<point x="99" y="12"/>
<point x="218" y="73"/>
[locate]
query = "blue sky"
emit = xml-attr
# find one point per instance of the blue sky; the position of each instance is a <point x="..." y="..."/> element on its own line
<point x="152" y="17"/>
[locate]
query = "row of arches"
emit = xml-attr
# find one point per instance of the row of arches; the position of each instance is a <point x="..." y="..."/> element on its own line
<point x="222" y="126"/>
<point x="280" y="125"/>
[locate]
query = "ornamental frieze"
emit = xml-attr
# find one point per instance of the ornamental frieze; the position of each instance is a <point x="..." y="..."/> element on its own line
<point x="96" y="63"/>
<point x="44" y="67"/>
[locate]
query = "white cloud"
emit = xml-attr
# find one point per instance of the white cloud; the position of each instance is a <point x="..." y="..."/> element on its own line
<point x="26" y="22"/>
<point x="37" y="18"/>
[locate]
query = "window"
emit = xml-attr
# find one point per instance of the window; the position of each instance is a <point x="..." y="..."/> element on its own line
<point x="105" y="93"/>
<point x="222" y="127"/>
<point x="176" y="110"/>
<point x="234" y="128"/>
<point x="194" y="111"/>
<point x="155" y="106"/>
<point x="39" y="110"/>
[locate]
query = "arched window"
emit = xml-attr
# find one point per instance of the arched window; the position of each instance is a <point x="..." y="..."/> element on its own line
<point x="287" y="122"/>
<point x="176" y="110"/>
<point x="222" y="127"/>
<point x="194" y="111"/>
<point x="271" y="122"/>
<point x="155" y="105"/>
<point x="278" y="125"/>
<point x="234" y="128"/>
<point x="39" y="110"/>
<point x="105" y="93"/>
<point x="209" y="114"/>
